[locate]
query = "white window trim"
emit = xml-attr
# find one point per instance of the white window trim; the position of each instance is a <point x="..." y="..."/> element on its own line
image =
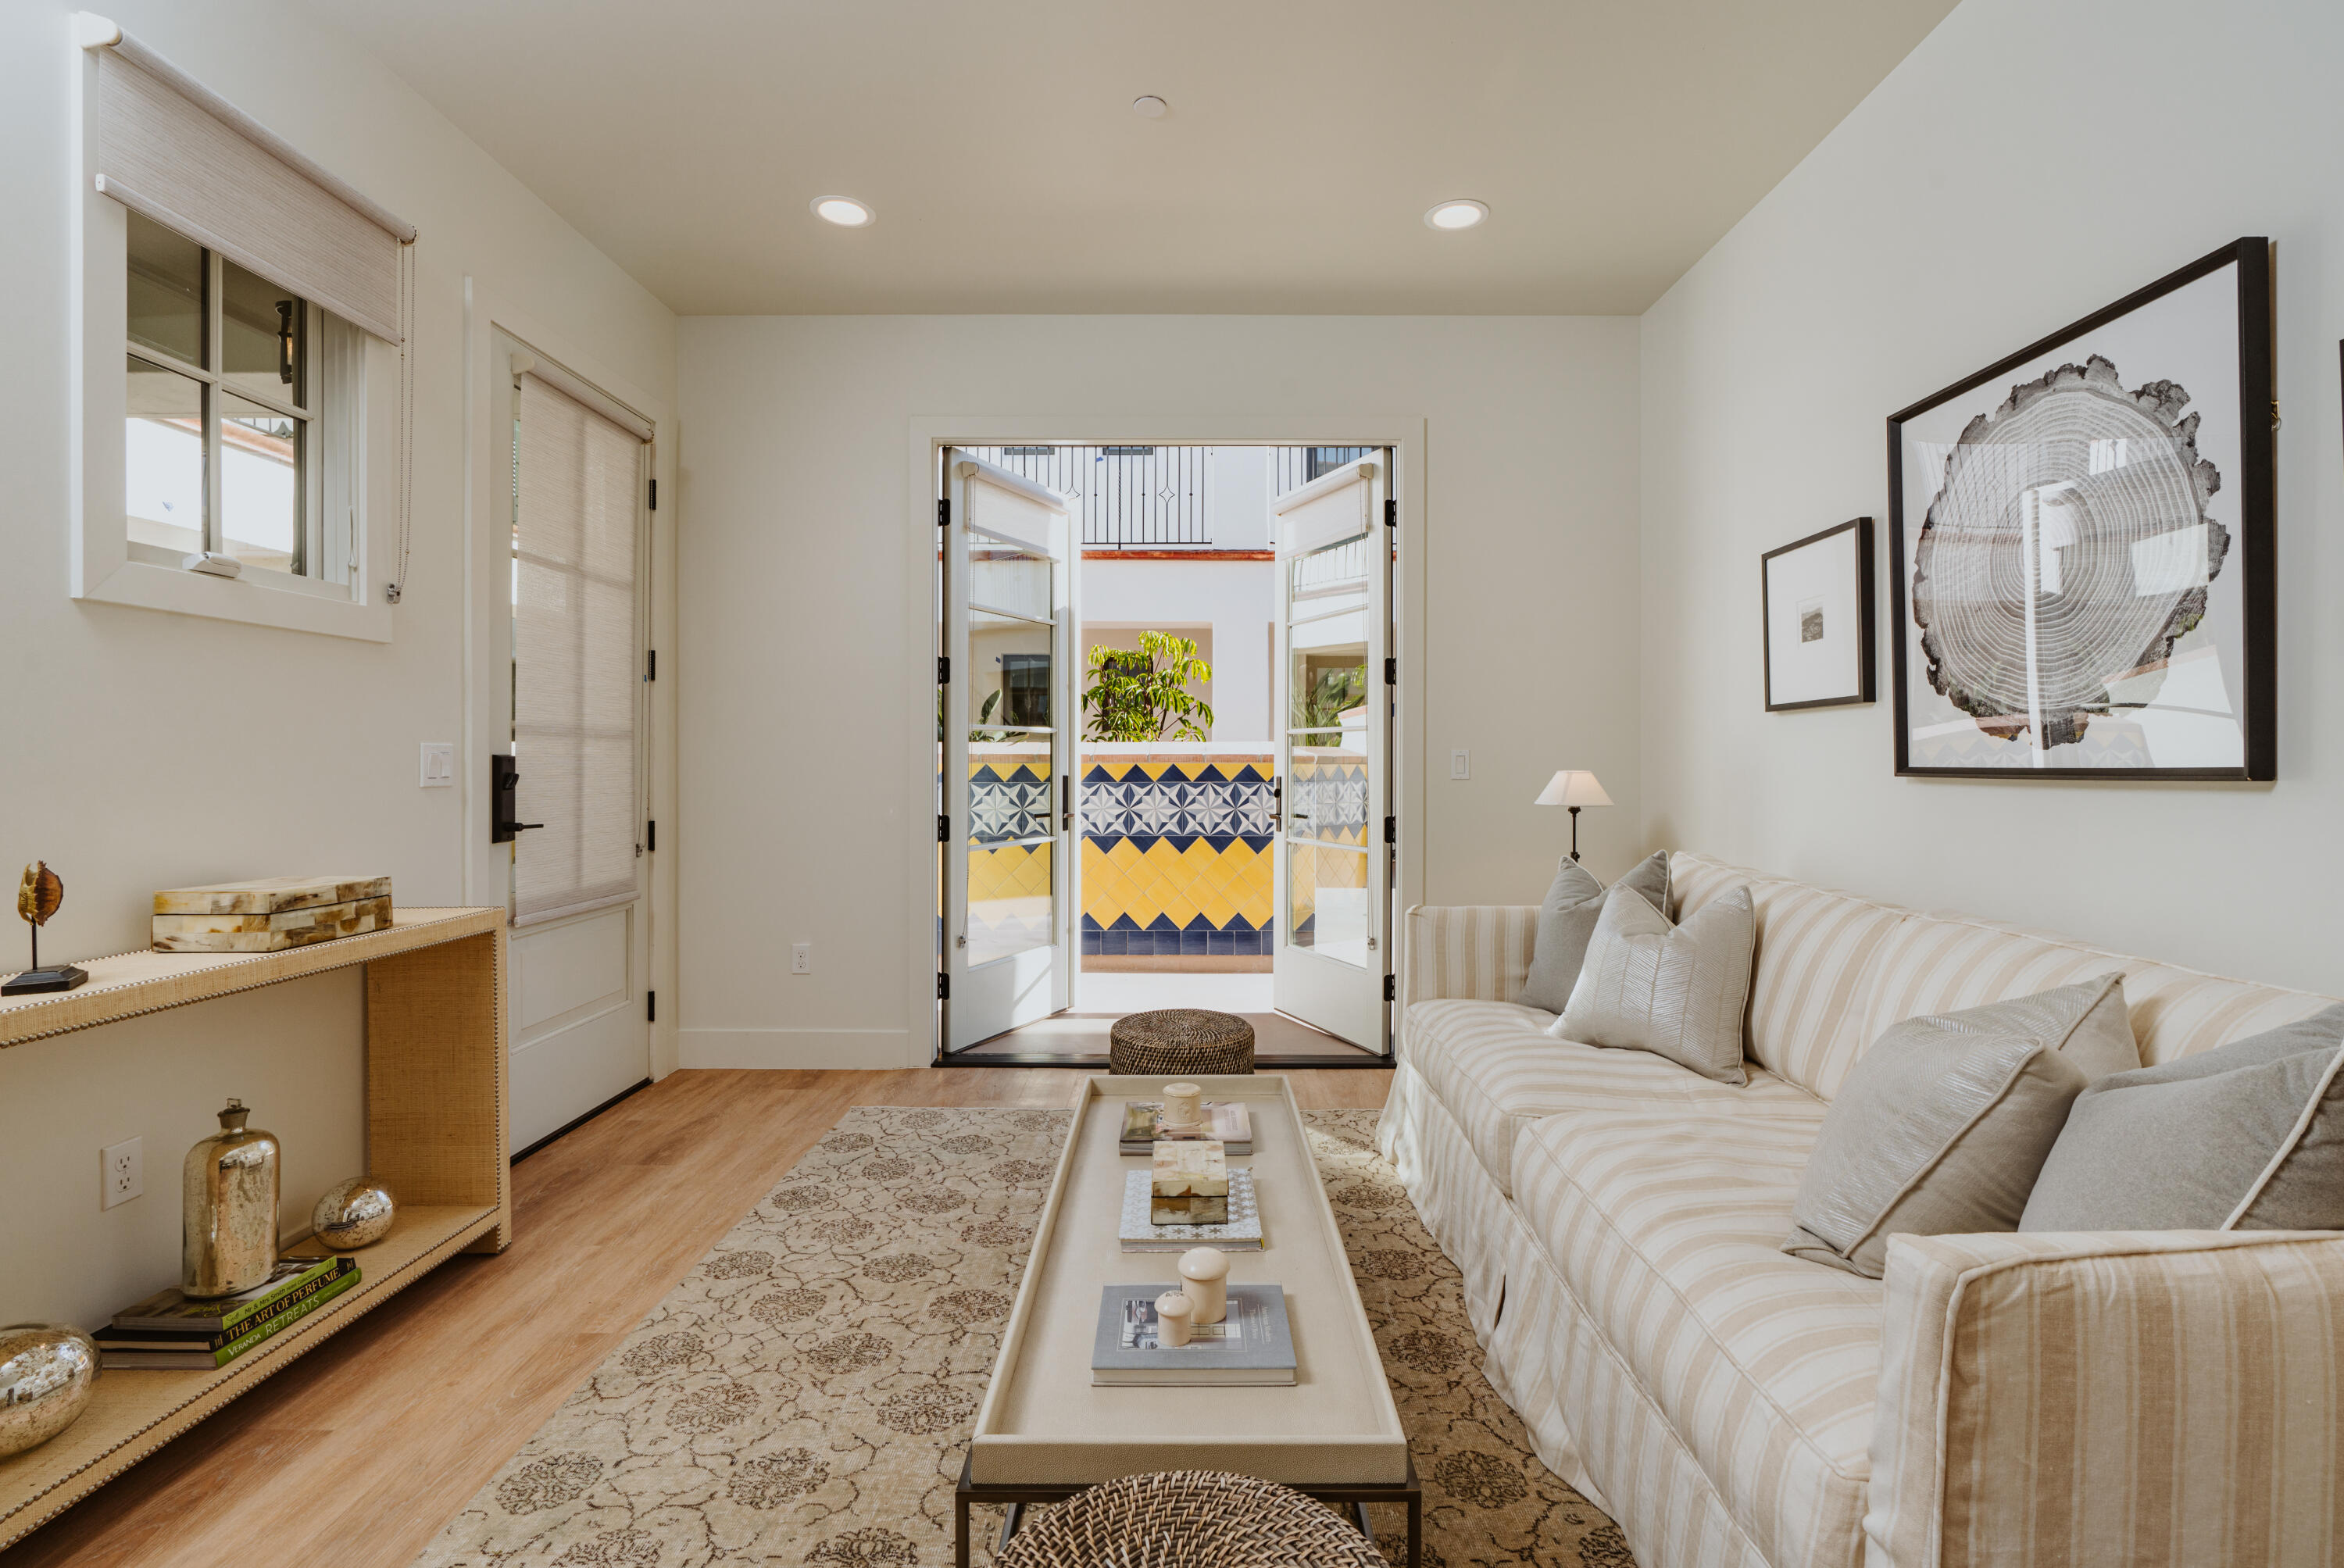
<point x="104" y="567"/>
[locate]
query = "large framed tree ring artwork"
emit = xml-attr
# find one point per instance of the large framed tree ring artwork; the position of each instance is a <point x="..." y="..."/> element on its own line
<point x="2081" y="546"/>
<point x="1817" y="613"/>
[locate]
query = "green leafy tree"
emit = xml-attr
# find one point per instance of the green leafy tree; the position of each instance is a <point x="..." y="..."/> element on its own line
<point x="1142" y="693"/>
<point x="1329" y="695"/>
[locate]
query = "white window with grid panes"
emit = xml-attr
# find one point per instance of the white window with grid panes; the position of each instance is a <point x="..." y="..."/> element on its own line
<point x="242" y="315"/>
<point x="243" y="407"/>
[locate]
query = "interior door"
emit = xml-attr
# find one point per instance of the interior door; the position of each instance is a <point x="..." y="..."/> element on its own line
<point x="574" y="711"/>
<point x="1006" y="713"/>
<point x="1332" y="875"/>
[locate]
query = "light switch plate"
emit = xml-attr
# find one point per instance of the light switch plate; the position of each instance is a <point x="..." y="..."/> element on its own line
<point x="438" y="765"/>
<point x="1461" y="763"/>
<point x="122" y="1173"/>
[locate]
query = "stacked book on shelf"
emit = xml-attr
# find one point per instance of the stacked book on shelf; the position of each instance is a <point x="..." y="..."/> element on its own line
<point x="1227" y="1123"/>
<point x="169" y="1331"/>
<point x="1252" y="1345"/>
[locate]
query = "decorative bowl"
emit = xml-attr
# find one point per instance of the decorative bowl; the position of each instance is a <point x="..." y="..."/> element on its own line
<point x="46" y="1373"/>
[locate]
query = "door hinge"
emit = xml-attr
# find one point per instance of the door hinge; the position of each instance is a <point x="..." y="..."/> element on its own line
<point x="1391" y="987"/>
<point x="651" y="837"/>
<point x="1391" y="672"/>
<point x="943" y="828"/>
<point x="943" y="514"/>
<point x="1391" y="830"/>
<point x="1391" y="511"/>
<point x="654" y="495"/>
<point x="650" y="1006"/>
<point x="944" y="987"/>
<point x="651" y="663"/>
<point x="943" y="670"/>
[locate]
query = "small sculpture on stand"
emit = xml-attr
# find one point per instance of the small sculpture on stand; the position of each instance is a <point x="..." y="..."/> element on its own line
<point x="38" y="896"/>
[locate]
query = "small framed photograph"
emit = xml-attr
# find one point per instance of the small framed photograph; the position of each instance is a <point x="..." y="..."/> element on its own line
<point x="1818" y="609"/>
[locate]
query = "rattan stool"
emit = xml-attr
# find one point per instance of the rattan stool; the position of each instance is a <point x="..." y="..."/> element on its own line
<point x="1174" y="1042"/>
<point x="1188" y="1519"/>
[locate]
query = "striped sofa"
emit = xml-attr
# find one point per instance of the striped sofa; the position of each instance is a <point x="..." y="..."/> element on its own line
<point x="2139" y="1398"/>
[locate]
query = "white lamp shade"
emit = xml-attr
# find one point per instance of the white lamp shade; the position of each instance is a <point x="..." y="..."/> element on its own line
<point x="1573" y="787"/>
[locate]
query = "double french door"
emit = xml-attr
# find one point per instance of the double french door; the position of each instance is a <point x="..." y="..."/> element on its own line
<point x="1332" y="877"/>
<point x="1006" y="721"/>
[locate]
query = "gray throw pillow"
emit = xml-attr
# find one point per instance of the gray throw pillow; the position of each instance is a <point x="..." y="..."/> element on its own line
<point x="1567" y="919"/>
<point x="2246" y="1137"/>
<point x="1945" y="1123"/>
<point x="1678" y="991"/>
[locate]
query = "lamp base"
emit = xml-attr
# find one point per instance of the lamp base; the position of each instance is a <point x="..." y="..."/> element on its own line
<point x="1575" y="833"/>
<point x="59" y="979"/>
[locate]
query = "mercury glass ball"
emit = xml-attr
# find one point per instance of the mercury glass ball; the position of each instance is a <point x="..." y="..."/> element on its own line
<point x="47" y="1373"/>
<point x="355" y="1213"/>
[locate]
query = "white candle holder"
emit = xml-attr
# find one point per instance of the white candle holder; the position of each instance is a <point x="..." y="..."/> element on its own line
<point x="1205" y="1279"/>
<point x="1173" y="1310"/>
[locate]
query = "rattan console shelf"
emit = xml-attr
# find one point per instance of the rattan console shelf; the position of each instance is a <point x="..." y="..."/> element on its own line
<point x="436" y="1133"/>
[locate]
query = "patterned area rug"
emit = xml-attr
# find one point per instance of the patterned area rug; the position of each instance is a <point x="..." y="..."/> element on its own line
<point x="803" y="1399"/>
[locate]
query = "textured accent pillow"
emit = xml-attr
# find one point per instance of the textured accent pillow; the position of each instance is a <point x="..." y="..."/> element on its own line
<point x="2246" y="1137"/>
<point x="1567" y="919"/>
<point x="1678" y="991"/>
<point x="1945" y="1123"/>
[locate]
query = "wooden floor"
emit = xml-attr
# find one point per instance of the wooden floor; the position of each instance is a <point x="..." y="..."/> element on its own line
<point x="358" y="1453"/>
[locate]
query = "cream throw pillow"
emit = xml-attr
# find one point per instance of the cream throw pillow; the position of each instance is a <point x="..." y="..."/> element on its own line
<point x="1945" y="1122"/>
<point x="1678" y="991"/>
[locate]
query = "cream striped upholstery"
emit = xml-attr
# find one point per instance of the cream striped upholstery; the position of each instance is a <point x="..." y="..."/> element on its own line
<point x="1482" y="953"/>
<point x="2150" y="1397"/>
<point x="1459" y="1204"/>
<point x="1941" y="965"/>
<point x="1814" y="950"/>
<point x="1668" y="1227"/>
<point x="1496" y="1068"/>
<point x="1618" y="1222"/>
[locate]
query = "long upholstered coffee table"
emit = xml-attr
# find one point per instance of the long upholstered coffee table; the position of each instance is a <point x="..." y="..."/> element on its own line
<point x="1043" y="1432"/>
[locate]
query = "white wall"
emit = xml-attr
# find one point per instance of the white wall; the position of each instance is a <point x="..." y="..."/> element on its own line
<point x="144" y="750"/>
<point x="2027" y="163"/>
<point x="794" y="565"/>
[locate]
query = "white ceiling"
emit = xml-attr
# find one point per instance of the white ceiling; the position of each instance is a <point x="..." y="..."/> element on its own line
<point x="1614" y="141"/>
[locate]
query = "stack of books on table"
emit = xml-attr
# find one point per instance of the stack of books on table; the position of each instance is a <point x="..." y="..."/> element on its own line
<point x="168" y="1331"/>
<point x="1227" y="1123"/>
<point x="1252" y="1345"/>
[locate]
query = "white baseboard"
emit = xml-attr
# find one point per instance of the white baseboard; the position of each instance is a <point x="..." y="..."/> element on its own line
<point x="801" y="1048"/>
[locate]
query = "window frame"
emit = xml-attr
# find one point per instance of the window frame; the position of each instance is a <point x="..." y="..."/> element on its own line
<point x="105" y="566"/>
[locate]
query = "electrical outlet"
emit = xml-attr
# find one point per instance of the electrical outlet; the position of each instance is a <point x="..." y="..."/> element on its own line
<point x="801" y="958"/>
<point x="122" y="1172"/>
<point x="438" y="765"/>
<point x="1461" y="763"/>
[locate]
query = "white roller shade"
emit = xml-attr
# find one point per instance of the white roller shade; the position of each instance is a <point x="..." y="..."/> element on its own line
<point x="171" y="148"/>
<point x="578" y="482"/>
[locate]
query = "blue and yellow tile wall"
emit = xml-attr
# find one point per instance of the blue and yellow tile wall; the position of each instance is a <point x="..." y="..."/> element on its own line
<point x="1176" y="857"/>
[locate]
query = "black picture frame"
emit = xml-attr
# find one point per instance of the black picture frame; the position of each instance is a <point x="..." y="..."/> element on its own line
<point x="2255" y="540"/>
<point x="1866" y="629"/>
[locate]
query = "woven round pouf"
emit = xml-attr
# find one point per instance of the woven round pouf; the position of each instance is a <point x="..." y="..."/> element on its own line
<point x="1188" y="1519"/>
<point x="1176" y="1041"/>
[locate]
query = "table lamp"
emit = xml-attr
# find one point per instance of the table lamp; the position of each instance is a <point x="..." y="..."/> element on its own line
<point x="1573" y="788"/>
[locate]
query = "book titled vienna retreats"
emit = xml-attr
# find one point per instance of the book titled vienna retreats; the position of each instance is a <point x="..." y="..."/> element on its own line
<point x="197" y="1349"/>
<point x="170" y="1310"/>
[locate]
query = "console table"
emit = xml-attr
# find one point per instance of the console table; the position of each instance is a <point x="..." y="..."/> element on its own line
<point x="436" y="1134"/>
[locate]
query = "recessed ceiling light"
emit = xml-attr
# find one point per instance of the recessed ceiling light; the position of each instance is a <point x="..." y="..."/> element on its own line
<point x="1457" y="214"/>
<point x="843" y="210"/>
<point x="1150" y="108"/>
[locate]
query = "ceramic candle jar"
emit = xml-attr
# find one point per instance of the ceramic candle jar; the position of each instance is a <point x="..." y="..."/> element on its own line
<point x="1172" y="1318"/>
<point x="1205" y="1279"/>
<point x="1184" y="1105"/>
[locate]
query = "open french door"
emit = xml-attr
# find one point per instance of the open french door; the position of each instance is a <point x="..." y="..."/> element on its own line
<point x="1005" y="717"/>
<point x="1332" y="876"/>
